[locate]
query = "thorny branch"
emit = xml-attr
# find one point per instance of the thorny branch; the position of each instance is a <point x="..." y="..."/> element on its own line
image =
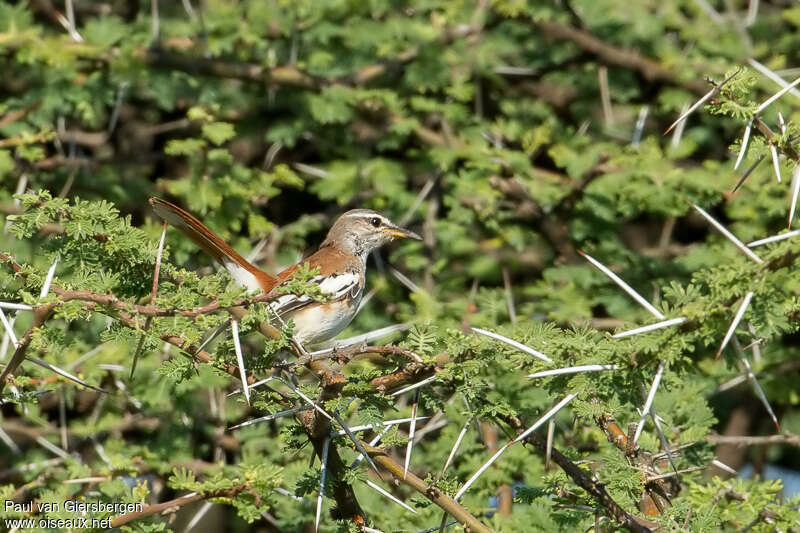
<point x="585" y="481"/>
<point x="429" y="491"/>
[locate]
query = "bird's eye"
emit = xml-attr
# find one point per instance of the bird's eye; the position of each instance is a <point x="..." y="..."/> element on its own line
<point x="375" y="221"/>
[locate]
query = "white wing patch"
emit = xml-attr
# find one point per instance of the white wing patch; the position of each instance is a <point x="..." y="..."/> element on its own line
<point x="335" y="287"/>
<point x="241" y="275"/>
<point x="332" y="287"/>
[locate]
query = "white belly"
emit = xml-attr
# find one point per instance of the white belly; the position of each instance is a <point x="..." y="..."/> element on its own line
<point x="318" y="323"/>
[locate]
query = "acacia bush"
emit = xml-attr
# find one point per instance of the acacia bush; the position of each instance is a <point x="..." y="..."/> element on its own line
<point x="515" y="136"/>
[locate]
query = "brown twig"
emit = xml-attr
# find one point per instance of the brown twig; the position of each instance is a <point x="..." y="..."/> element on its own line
<point x="789" y="439"/>
<point x="174" y="505"/>
<point x="435" y="495"/>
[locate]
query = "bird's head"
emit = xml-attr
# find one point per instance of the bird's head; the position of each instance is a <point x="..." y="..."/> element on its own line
<point x="361" y="231"/>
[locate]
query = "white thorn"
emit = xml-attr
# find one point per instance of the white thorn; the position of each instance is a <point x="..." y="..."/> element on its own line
<point x="9" y="329"/>
<point x="639" y="128"/>
<point x="323" y="467"/>
<point x="745" y="143"/>
<point x="240" y="359"/>
<point x="651" y="327"/>
<point x="730" y="236"/>
<point x="364" y="338"/>
<point x="414" y="386"/>
<point x="649" y="401"/>
<point x="547" y="416"/>
<point x="515" y="344"/>
<point x="399" y="502"/>
<point x="774" y="238"/>
<point x="198" y="516"/>
<point x="772" y="76"/>
<point x="461" y="436"/>
<point x="411" y="431"/>
<point x="15" y="307"/>
<point x="736" y="319"/>
<point x="572" y="370"/>
<point x="625" y="287"/>
<point x="385" y="424"/>
<point x="269" y="417"/>
<point x="775" y="162"/>
<point x="49" y="279"/>
<point x="722" y="466"/>
<point x="62" y="373"/>
<point x="692" y="109"/>
<point x="777" y="95"/>
<point x="677" y="134"/>
<point x="795" y="191"/>
<point x="756" y="385"/>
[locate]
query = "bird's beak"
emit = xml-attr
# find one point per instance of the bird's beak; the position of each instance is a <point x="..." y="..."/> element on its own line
<point x="402" y="233"/>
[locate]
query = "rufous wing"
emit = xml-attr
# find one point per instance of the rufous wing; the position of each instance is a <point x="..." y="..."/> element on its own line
<point x="242" y="271"/>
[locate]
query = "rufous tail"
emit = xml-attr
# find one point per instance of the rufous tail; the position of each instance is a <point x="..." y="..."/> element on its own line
<point x="241" y="269"/>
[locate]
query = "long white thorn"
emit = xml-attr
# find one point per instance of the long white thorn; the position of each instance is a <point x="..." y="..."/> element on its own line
<point x="453" y="451"/>
<point x="387" y="424"/>
<point x="547" y="416"/>
<point x="240" y="359"/>
<point x="772" y="76"/>
<point x="700" y="102"/>
<point x="364" y="338"/>
<point x="774" y="238"/>
<point x="649" y="401"/>
<point x="625" y="287"/>
<point x="389" y="495"/>
<point x="48" y="279"/>
<point x="639" y="127"/>
<point x="730" y="236"/>
<point x="6" y="340"/>
<point x="415" y="386"/>
<point x="62" y="372"/>
<point x="269" y="417"/>
<point x="292" y="495"/>
<point x="775" y="161"/>
<point x="305" y="397"/>
<point x="15" y="306"/>
<point x="677" y="135"/>
<point x="411" y="431"/>
<point x="572" y="370"/>
<point x="423" y="193"/>
<point x="198" y="516"/>
<point x="722" y="466"/>
<point x="664" y="442"/>
<point x="795" y="191"/>
<point x="745" y="143"/>
<point x="222" y="327"/>
<point x="44" y="443"/>
<point x="736" y="319"/>
<point x="357" y="443"/>
<point x="9" y="329"/>
<point x="651" y="327"/>
<point x="756" y="385"/>
<point x="512" y="342"/>
<point x="373" y="442"/>
<point x="777" y="95"/>
<point x="405" y="280"/>
<point x="322" y="472"/>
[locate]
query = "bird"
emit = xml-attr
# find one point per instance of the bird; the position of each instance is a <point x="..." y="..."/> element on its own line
<point x="341" y="260"/>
